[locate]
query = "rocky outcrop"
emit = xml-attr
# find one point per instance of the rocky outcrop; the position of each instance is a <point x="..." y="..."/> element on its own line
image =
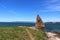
<point x="39" y="23"/>
<point x="53" y="36"/>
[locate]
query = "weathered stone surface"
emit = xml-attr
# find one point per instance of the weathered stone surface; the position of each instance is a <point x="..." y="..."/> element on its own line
<point x="39" y="23"/>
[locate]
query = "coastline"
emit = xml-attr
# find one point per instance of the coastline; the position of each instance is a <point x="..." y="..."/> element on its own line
<point x="51" y="35"/>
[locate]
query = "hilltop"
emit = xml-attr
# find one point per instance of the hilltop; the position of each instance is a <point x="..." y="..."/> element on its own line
<point x="21" y="33"/>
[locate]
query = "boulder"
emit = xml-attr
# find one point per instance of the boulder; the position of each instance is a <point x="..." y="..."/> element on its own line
<point x="39" y="23"/>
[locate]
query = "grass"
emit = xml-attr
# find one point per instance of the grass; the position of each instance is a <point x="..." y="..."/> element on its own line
<point x="19" y="33"/>
<point x="38" y="34"/>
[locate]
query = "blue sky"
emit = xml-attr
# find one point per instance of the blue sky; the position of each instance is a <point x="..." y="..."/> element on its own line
<point x="27" y="10"/>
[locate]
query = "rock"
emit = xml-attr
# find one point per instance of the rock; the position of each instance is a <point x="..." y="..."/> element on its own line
<point x="53" y="36"/>
<point x="39" y="23"/>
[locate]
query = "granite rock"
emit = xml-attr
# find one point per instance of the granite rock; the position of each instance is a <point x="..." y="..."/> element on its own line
<point x="39" y="23"/>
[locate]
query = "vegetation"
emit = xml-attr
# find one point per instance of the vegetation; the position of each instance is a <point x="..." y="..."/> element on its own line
<point x="20" y="33"/>
<point x="38" y="34"/>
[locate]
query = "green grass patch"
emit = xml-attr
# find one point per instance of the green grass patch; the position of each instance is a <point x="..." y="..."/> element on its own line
<point x="38" y="34"/>
<point x="19" y="33"/>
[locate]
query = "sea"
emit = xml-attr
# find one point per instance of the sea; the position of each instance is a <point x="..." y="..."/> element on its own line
<point x="49" y="27"/>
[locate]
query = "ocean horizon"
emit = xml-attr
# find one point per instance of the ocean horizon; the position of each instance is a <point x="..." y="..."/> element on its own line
<point x="49" y="27"/>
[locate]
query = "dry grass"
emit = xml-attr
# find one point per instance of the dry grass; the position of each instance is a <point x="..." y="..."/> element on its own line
<point x="19" y="33"/>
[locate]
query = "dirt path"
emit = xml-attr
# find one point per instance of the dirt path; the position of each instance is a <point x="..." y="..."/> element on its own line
<point x="30" y="35"/>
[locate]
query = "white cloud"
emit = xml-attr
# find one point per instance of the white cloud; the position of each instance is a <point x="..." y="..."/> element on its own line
<point x="51" y="5"/>
<point x="10" y="11"/>
<point x="54" y="8"/>
<point x="2" y="5"/>
<point x="51" y="20"/>
<point x="51" y="1"/>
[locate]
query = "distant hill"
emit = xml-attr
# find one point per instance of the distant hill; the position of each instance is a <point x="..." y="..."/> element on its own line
<point x="52" y="22"/>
